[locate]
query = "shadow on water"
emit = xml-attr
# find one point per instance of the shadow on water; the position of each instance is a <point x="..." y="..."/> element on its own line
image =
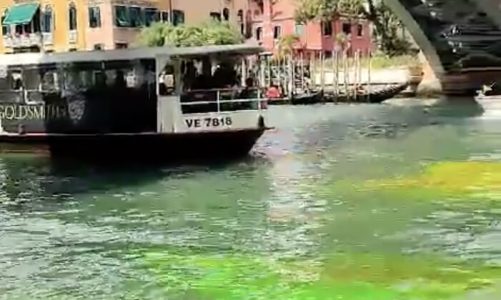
<point x="26" y="177"/>
<point x="459" y="107"/>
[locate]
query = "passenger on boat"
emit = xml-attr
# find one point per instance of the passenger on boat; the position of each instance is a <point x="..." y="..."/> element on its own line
<point x="273" y="92"/>
<point x="247" y="91"/>
<point x="359" y="89"/>
<point x="225" y="75"/>
<point x="190" y="75"/>
<point x="120" y="82"/>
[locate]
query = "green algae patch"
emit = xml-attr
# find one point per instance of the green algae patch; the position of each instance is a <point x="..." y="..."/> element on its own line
<point x="413" y="277"/>
<point x="453" y="180"/>
<point x="349" y="276"/>
<point x="453" y="177"/>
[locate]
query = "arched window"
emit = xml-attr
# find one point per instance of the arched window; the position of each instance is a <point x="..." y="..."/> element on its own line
<point x="240" y="15"/>
<point x="226" y="14"/>
<point x="47" y="19"/>
<point x="5" y="28"/>
<point x="72" y="17"/>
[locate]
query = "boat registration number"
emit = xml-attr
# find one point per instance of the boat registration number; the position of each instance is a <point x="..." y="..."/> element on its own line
<point x="208" y="122"/>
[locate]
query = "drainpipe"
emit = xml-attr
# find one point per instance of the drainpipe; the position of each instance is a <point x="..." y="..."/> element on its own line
<point x="171" y="19"/>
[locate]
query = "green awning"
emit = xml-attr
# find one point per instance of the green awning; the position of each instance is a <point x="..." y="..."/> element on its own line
<point x="21" y="14"/>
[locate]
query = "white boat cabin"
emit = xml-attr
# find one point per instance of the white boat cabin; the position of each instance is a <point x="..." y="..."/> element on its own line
<point x="164" y="90"/>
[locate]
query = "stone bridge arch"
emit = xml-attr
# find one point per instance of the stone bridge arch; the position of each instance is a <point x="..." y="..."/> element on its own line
<point x="461" y="39"/>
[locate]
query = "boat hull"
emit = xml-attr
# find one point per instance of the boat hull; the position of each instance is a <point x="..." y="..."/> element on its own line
<point x="136" y="146"/>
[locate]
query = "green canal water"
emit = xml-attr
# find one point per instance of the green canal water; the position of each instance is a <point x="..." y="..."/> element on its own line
<point x="353" y="202"/>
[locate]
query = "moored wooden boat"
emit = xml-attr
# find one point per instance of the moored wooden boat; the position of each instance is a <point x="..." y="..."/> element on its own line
<point x="126" y="104"/>
<point x="300" y="99"/>
<point x="376" y="96"/>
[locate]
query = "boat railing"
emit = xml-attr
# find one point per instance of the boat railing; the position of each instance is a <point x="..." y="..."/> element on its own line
<point x="221" y="100"/>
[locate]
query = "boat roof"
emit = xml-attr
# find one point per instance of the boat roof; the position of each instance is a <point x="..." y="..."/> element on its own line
<point x="21" y="59"/>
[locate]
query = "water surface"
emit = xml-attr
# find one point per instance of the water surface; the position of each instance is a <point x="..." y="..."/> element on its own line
<point x="355" y="202"/>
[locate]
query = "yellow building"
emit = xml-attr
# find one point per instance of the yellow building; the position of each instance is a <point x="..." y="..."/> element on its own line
<point x="72" y="25"/>
<point x="29" y="26"/>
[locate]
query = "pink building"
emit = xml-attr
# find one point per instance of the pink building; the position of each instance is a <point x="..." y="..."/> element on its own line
<point x="270" y="21"/>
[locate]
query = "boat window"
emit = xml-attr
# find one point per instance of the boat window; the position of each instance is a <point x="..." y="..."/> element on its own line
<point x="99" y="79"/>
<point x="166" y="81"/>
<point x="4" y="84"/>
<point x="50" y="81"/>
<point x="31" y="79"/>
<point x="16" y="80"/>
<point x="72" y="80"/>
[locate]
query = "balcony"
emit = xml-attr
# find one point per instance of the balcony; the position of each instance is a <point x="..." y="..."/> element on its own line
<point x="7" y="42"/>
<point x="72" y="36"/>
<point x="23" y="40"/>
<point x="48" y="38"/>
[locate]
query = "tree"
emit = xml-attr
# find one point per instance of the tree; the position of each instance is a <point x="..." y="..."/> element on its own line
<point x="286" y="45"/>
<point x="385" y="22"/>
<point x="207" y="33"/>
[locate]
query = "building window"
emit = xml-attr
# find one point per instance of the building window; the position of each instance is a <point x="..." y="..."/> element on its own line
<point x="73" y="16"/>
<point x="121" y="45"/>
<point x="165" y="16"/>
<point x="94" y="17"/>
<point x="177" y="17"/>
<point x="47" y="19"/>
<point x="240" y="15"/>
<point x="226" y="14"/>
<point x="151" y="15"/>
<point x="346" y="28"/>
<point x="5" y="28"/>
<point x="360" y="30"/>
<point x="299" y="29"/>
<point x="98" y="47"/>
<point x="121" y="16"/>
<point x="277" y="32"/>
<point x="327" y="28"/>
<point x="135" y="16"/>
<point x="259" y="33"/>
<point x="215" y="16"/>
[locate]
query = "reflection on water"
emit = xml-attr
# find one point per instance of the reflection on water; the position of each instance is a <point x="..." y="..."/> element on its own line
<point x="379" y="202"/>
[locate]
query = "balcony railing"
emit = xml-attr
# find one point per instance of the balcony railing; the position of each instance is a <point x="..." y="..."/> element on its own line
<point x="72" y="36"/>
<point x="48" y="38"/>
<point x="7" y="42"/>
<point x="23" y="40"/>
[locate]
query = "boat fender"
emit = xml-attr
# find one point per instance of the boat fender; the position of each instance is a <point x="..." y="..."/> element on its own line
<point x="260" y="122"/>
<point x="21" y="129"/>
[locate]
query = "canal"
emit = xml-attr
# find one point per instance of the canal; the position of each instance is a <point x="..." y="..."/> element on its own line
<point x="353" y="202"/>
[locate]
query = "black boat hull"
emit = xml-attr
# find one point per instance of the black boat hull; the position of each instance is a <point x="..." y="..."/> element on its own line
<point x="373" y="97"/>
<point x="141" y="146"/>
<point x="314" y="98"/>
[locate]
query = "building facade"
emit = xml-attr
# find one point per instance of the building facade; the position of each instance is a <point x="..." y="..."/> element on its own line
<point x="271" y="20"/>
<point x="73" y="25"/>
